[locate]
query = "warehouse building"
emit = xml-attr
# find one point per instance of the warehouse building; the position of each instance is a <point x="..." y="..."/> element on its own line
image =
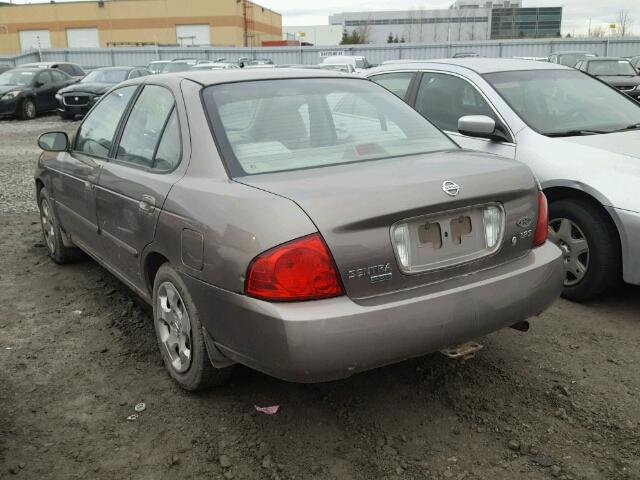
<point x="465" y="20"/>
<point x="107" y="23"/>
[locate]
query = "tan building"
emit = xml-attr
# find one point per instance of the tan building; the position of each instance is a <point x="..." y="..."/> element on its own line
<point x="112" y="23"/>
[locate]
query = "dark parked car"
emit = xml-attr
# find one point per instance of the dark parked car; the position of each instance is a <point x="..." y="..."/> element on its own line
<point x="570" y="58"/>
<point x="270" y="228"/>
<point x="78" y="99"/>
<point x="466" y="55"/>
<point x="72" y="69"/>
<point x="614" y="71"/>
<point x="25" y="92"/>
<point x="635" y="63"/>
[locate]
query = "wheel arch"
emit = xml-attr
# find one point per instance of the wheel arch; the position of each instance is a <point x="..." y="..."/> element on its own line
<point x="153" y="260"/>
<point x="591" y="198"/>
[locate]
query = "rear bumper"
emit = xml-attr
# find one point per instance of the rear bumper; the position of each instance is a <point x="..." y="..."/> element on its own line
<point x="335" y="338"/>
<point x="628" y="223"/>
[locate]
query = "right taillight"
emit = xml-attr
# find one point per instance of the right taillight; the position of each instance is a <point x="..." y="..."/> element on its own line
<point x="542" y="226"/>
<point x="299" y="270"/>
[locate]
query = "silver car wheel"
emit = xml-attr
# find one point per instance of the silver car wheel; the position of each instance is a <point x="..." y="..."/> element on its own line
<point x="173" y="326"/>
<point x="575" y="249"/>
<point x="48" y="230"/>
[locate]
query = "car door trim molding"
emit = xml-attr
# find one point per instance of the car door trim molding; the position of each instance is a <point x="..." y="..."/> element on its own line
<point x="74" y="214"/>
<point x="125" y="246"/>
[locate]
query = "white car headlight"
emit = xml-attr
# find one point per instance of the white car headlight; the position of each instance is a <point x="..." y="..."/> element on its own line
<point x="10" y="95"/>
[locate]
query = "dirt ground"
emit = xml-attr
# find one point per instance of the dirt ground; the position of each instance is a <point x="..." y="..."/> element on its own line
<point x="77" y="353"/>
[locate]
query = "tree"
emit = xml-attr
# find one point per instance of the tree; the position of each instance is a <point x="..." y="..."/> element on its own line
<point x="625" y="23"/>
<point x="390" y="38"/>
<point x="598" y="32"/>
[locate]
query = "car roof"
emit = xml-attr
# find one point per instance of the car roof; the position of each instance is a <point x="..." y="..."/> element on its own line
<point x="213" y="77"/>
<point x="599" y="59"/>
<point x="479" y="65"/>
<point x="570" y="52"/>
<point x="47" y="64"/>
<point x="117" y="68"/>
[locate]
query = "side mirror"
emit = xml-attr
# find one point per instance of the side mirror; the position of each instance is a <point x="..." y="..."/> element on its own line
<point x="479" y="126"/>
<point x="38" y="84"/>
<point x="54" y="142"/>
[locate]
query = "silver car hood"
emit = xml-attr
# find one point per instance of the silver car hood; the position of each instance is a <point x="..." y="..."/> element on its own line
<point x="623" y="143"/>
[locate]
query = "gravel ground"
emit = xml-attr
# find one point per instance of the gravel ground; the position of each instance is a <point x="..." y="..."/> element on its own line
<point x="77" y="353"/>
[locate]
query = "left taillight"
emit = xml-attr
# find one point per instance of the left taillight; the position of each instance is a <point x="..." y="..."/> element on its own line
<point x="302" y="269"/>
<point x="542" y="226"/>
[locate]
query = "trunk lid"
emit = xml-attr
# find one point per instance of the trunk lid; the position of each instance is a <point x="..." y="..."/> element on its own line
<point x="354" y="207"/>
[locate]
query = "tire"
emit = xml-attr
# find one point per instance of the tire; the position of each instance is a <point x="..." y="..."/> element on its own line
<point x="193" y="371"/>
<point x="27" y="109"/>
<point x="51" y="232"/>
<point x="591" y="274"/>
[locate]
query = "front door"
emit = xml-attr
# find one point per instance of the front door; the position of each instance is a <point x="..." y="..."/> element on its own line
<point x="76" y="173"/>
<point x="444" y="99"/>
<point x="135" y="182"/>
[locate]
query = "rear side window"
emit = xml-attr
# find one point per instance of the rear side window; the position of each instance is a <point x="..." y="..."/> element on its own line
<point x="58" y="77"/>
<point x="396" y="83"/>
<point x="145" y="126"/>
<point x="95" y="136"/>
<point x="289" y="124"/>
<point x="170" y="147"/>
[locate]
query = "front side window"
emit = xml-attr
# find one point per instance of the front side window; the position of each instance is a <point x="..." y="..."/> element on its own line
<point x="58" y="77"/>
<point x="95" y="135"/>
<point x="443" y="99"/>
<point x="396" y="83"/>
<point x="565" y="102"/>
<point x="145" y="126"/>
<point x="45" y="78"/>
<point x="278" y="125"/>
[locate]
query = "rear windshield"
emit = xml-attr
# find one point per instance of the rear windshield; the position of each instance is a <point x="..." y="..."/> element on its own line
<point x="610" y="67"/>
<point x="279" y="125"/>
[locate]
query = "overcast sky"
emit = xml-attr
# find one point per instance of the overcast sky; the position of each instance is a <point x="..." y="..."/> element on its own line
<point x="575" y="19"/>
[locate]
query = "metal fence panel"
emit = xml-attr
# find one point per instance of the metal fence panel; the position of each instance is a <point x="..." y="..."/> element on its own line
<point x="137" y="56"/>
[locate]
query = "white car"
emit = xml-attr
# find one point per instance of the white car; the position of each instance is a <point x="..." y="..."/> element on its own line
<point x="580" y="137"/>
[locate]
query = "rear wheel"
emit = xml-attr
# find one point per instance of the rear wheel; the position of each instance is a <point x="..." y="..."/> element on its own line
<point x="180" y="335"/>
<point x="590" y="248"/>
<point x="51" y="233"/>
<point x="27" y="110"/>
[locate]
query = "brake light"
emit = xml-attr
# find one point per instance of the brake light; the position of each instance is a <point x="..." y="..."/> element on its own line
<point x="298" y="270"/>
<point x="542" y="227"/>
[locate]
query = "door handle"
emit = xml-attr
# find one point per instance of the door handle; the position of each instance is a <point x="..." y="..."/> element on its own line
<point x="147" y="204"/>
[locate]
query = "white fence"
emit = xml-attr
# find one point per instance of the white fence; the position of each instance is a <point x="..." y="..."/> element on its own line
<point x="136" y="56"/>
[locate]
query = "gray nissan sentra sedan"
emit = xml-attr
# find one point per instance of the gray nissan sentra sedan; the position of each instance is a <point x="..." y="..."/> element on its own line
<point x="307" y="224"/>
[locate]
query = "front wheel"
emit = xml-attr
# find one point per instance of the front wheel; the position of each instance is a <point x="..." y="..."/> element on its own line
<point x="590" y="248"/>
<point x="27" y="110"/>
<point x="180" y="335"/>
<point x="51" y="232"/>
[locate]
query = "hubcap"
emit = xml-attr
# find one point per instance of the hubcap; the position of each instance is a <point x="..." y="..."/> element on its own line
<point x="48" y="230"/>
<point x="174" y="327"/>
<point x="575" y="249"/>
<point x="31" y="110"/>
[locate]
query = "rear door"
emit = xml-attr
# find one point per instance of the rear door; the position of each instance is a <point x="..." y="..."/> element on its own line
<point x="76" y="173"/>
<point x="137" y="179"/>
<point x="444" y="98"/>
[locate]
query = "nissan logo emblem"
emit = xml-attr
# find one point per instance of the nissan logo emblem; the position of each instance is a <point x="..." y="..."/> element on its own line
<point x="451" y="188"/>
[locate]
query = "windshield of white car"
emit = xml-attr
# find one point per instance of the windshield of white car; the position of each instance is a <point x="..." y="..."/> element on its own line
<point x="106" y="76"/>
<point x="614" y="68"/>
<point x="20" y="78"/>
<point x="279" y="125"/>
<point x="565" y="102"/>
